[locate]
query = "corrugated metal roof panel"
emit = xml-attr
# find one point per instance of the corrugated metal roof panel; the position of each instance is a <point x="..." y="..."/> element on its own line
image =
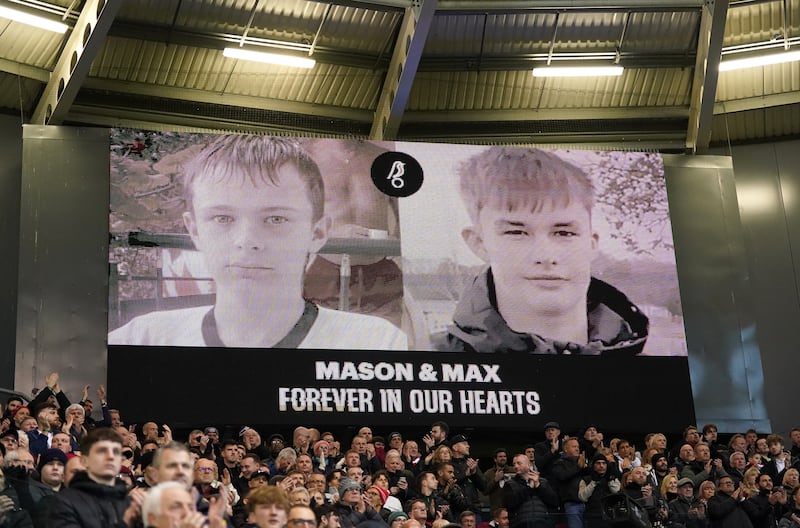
<point x="521" y="33"/>
<point x="760" y="22"/>
<point x="760" y="81"/>
<point x="205" y="69"/>
<point x="660" y="31"/>
<point x="497" y="90"/>
<point x="29" y="45"/>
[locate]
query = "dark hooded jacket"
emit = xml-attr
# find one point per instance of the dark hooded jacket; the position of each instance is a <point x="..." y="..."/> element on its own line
<point x="89" y="504"/>
<point x="616" y="325"/>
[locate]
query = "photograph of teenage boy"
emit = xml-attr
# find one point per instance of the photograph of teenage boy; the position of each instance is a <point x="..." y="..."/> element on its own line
<point x="531" y="215"/>
<point x="255" y="211"/>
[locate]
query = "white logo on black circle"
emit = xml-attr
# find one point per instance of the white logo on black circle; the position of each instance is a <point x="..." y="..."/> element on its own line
<point x="396" y="174"/>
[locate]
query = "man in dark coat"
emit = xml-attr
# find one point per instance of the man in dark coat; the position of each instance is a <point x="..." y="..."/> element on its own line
<point x="593" y="488"/>
<point x="725" y="508"/>
<point x="96" y="498"/>
<point x="686" y="509"/>
<point x="549" y="450"/>
<point x="529" y="499"/>
<point x="567" y="474"/>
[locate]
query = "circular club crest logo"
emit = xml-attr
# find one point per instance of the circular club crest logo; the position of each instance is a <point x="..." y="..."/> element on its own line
<point x="396" y="174"/>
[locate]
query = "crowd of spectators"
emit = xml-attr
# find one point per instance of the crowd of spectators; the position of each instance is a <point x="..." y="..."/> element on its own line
<point x="61" y="468"/>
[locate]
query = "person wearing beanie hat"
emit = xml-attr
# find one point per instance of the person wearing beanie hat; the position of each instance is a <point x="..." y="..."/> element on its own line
<point x="350" y="501"/>
<point x="19" y="414"/>
<point x="51" y="471"/>
<point x="595" y="487"/>
<point x="396" y="516"/>
<point x="660" y="470"/>
<point x="591" y="441"/>
<point x="49" y="456"/>
<point x="377" y="496"/>
<point x="321" y="459"/>
<point x="346" y="485"/>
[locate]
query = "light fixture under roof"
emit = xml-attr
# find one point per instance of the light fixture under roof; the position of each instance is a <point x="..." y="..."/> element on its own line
<point x="269" y="58"/>
<point x="760" y="60"/>
<point x="578" y="71"/>
<point x="33" y="20"/>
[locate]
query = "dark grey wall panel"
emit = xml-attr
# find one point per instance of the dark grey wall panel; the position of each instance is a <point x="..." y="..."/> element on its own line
<point x="63" y="255"/>
<point x="768" y="185"/>
<point x="716" y="293"/>
<point x="10" y="177"/>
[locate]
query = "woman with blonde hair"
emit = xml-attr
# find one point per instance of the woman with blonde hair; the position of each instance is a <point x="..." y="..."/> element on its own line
<point x="669" y="487"/>
<point x="750" y="482"/>
<point x="658" y="441"/>
<point x="791" y="479"/>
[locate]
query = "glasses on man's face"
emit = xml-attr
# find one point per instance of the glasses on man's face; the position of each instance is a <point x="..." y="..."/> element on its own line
<point x="204" y="469"/>
<point x="301" y="522"/>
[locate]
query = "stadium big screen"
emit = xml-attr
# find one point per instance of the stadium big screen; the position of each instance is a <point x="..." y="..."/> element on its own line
<point x="336" y="282"/>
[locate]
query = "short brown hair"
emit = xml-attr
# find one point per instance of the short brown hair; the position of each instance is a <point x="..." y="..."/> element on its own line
<point x="267" y="496"/>
<point x="98" y="435"/>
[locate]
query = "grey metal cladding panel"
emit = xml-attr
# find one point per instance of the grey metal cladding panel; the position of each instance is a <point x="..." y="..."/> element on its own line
<point x="788" y="155"/>
<point x="716" y="293"/>
<point x="767" y="209"/>
<point x="63" y="257"/>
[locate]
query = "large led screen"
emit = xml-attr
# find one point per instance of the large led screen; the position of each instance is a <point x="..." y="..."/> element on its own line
<point x="338" y="280"/>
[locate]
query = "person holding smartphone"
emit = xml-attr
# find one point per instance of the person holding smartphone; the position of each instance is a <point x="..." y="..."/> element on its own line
<point x="767" y="507"/>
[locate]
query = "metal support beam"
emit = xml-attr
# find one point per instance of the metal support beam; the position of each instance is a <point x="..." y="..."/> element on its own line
<point x="402" y="70"/>
<point x="706" y="75"/>
<point x="73" y="64"/>
<point x="545" y="114"/>
<point x="244" y="101"/>
<point x="758" y="102"/>
<point x="24" y="70"/>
